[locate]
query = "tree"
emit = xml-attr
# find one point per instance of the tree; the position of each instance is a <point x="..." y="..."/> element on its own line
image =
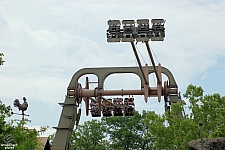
<point x="128" y="132"/>
<point x="1" y="60"/>
<point x="151" y="131"/>
<point x="170" y="131"/>
<point x="25" y="138"/>
<point x="22" y="138"/>
<point x="4" y="127"/>
<point x="209" y="109"/>
<point x="89" y="136"/>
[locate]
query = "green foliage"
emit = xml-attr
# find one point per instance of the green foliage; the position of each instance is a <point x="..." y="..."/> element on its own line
<point x="1" y="60"/>
<point x="118" y="133"/>
<point x="127" y="132"/>
<point x="23" y="138"/>
<point x="150" y="131"/>
<point x="51" y="138"/>
<point x="4" y="111"/>
<point x="170" y="131"/>
<point x="4" y="127"/>
<point x="209" y="109"/>
<point x="89" y="136"/>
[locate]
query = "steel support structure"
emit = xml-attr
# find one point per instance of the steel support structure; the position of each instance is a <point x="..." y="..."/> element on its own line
<point x="75" y="93"/>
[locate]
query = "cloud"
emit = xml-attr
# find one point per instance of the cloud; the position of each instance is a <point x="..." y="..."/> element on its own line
<point x="205" y="75"/>
<point x="46" y="42"/>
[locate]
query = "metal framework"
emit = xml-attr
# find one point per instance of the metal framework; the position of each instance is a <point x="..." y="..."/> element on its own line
<point x="95" y="97"/>
<point x="70" y="114"/>
<point x="139" y="31"/>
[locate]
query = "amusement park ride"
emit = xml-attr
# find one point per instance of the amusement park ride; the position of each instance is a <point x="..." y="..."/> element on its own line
<point x="94" y="99"/>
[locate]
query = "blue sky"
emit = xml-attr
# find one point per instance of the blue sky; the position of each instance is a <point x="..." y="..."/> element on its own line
<point x="46" y="42"/>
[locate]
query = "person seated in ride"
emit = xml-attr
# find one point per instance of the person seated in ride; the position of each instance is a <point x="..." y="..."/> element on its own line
<point x="117" y="101"/>
<point x="109" y="112"/>
<point x="130" y="112"/>
<point x="107" y="104"/>
<point x="126" y="111"/>
<point x="103" y="102"/>
<point x="94" y="112"/>
<point x="115" y="112"/>
<point x="104" y="112"/>
<point x="126" y="101"/>
<point x="131" y="101"/>
<point x="120" y="113"/>
<point x="121" y="101"/>
<point x="92" y="103"/>
<point x="114" y="101"/>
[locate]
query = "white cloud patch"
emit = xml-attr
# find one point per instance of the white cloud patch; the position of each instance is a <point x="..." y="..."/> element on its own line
<point x="205" y="75"/>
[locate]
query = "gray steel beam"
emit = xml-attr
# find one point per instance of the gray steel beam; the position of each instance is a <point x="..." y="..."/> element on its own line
<point x="103" y="73"/>
<point x="66" y="125"/>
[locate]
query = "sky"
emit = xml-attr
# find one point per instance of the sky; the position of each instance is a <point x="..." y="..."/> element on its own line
<point x="46" y="42"/>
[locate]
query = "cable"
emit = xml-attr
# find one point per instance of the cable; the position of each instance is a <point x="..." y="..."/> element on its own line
<point x="141" y="55"/>
<point x="150" y="62"/>
<point x="154" y="54"/>
<point x="153" y="75"/>
<point x="92" y="85"/>
<point x="154" y="79"/>
<point x="145" y="63"/>
<point x="136" y="63"/>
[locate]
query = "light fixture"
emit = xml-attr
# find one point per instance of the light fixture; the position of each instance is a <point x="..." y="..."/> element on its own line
<point x="128" y="32"/>
<point x="143" y="31"/>
<point x="158" y="30"/>
<point x="113" y="33"/>
<point x="139" y="31"/>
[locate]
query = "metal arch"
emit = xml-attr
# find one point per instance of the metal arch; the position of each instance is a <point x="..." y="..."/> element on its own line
<point x="69" y="112"/>
<point x="103" y="73"/>
<point x="172" y="82"/>
<point x="78" y="74"/>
